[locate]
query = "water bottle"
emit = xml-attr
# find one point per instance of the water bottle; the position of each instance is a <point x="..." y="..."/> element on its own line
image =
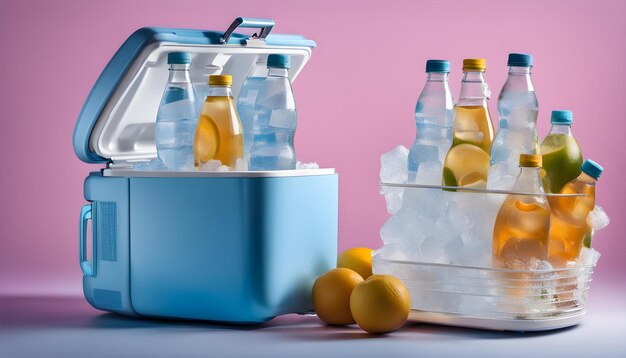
<point x="517" y="132"/>
<point x="177" y="116"/>
<point x="434" y="114"/>
<point x="246" y="100"/>
<point x="275" y="119"/>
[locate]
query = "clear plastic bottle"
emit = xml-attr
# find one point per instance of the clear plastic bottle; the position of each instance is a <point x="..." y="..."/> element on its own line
<point x="246" y="100"/>
<point x="219" y="135"/>
<point x="523" y="222"/>
<point x="569" y="214"/>
<point x="561" y="153"/>
<point x="275" y="119"/>
<point x="177" y="116"/>
<point x="517" y="132"/>
<point x="467" y="161"/>
<point x="434" y="113"/>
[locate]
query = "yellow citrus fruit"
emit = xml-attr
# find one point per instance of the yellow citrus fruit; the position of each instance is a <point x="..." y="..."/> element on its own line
<point x="331" y="295"/>
<point x="358" y="259"/>
<point x="380" y="304"/>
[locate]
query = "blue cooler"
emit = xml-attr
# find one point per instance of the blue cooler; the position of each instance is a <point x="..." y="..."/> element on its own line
<point x="240" y="247"/>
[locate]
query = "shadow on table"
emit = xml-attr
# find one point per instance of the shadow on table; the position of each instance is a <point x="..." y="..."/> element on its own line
<point x="75" y="312"/>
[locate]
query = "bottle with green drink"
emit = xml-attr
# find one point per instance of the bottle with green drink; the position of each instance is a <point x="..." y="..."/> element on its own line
<point x="561" y="153"/>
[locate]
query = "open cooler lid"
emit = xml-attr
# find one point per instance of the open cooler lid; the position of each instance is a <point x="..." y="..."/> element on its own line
<point x="117" y="122"/>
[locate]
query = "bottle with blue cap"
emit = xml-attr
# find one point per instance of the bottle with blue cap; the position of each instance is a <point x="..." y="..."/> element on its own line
<point x="434" y="113"/>
<point x="275" y="119"/>
<point x="517" y="128"/>
<point x="569" y="214"/>
<point x="177" y="116"/>
<point x="561" y="153"/>
<point x="247" y="99"/>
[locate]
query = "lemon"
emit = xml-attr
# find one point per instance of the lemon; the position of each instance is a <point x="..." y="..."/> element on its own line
<point x="380" y="304"/>
<point x="358" y="259"/>
<point x="331" y="295"/>
<point x="466" y="165"/>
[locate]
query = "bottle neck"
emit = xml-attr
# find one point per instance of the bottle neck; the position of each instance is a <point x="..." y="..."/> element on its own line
<point x="179" y="73"/>
<point x="277" y="72"/>
<point x="561" y="129"/>
<point x="220" y="91"/>
<point x="474" y="89"/>
<point x="519" y="79"/>
<point x="437" y="77"/>
<point x="529" y="180"/>
<point x="586" y="178"/>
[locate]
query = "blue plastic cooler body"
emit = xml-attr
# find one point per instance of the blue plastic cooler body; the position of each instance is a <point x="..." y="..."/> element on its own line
<point x="238" y="247"/>
<point x="225" y="249"/>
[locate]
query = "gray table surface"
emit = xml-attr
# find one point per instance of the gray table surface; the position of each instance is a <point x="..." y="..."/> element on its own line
<point x="68" y="327"/>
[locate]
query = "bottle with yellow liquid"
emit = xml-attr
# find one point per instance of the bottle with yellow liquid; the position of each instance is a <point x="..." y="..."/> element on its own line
<point x="561" y="154"/>
<point x="569" y="214"/>
<point x="219" y="134"/>
<point x="523" y="222"/>
<point x="467" y="161"/>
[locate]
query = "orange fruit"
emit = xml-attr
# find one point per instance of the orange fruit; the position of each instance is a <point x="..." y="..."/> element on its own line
<point x="331" y="295"/>
<point x="358" y="259"/>
<point x="380" y="304"/>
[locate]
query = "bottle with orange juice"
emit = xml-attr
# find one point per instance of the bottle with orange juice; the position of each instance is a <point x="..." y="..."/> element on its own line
<point x="219" y="133"/>
<point x="569" y="214"/>
<point x="523" y="221"/>
<point x="467" y="162"/>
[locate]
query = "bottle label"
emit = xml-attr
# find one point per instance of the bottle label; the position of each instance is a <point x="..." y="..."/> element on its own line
<point x="283" y="118"/>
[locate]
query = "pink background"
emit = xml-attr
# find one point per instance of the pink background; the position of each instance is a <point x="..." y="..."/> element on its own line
<point x="355" y="100"/>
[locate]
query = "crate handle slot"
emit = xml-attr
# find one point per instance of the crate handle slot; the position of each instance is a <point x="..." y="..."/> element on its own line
<point x="265" y="25"/>
<point x="86" y="266"/>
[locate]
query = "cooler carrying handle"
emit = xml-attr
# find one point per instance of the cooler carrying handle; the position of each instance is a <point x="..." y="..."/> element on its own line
<point x="86" y="266"/>
<point x="265" y="25"/>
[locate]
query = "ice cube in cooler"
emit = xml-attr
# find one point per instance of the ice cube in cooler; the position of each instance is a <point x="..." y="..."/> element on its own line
<point x="597" y="218"/>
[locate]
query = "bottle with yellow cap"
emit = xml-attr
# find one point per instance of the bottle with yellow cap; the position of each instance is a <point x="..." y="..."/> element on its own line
<point x="219" y="134"/>
<point x="467" y="162"/>
<point x="569" y="214"/>
<point x="523" y="222"/>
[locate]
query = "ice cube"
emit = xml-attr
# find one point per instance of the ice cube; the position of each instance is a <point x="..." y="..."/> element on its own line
<point x="393" y="169"/>
<point x="152" y="165"/>
<point x="500" y="177"/>
<point x="429" y="173"/>
<point x="597" y="218"/>
<point x="210" y="166"/>
<point x="241" y="165"/>
<point x="223" y="168"/>
<point x="311" y="165"/>
<point x="393" y="165"/>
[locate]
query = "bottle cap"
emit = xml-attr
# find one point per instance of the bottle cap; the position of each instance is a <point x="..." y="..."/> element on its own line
<point x="438" y="66"/>
<point x="178" y="58"/>
<point x="530" y="160"/>
<point x="520" y="60"/>
<point x="220" y="80"/>
<point x="561" y="117"/>
<point x="474" y="64"/>
<point x="278" y="61"/>
<point x="592" y="169"/>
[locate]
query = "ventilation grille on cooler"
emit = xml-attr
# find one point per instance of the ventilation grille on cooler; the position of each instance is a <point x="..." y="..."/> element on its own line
<point x="106" y="222"/>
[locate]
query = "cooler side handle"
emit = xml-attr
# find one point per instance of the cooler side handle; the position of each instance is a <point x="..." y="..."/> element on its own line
<point x="86" y="266"/>
<point x="265" y="25"/>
